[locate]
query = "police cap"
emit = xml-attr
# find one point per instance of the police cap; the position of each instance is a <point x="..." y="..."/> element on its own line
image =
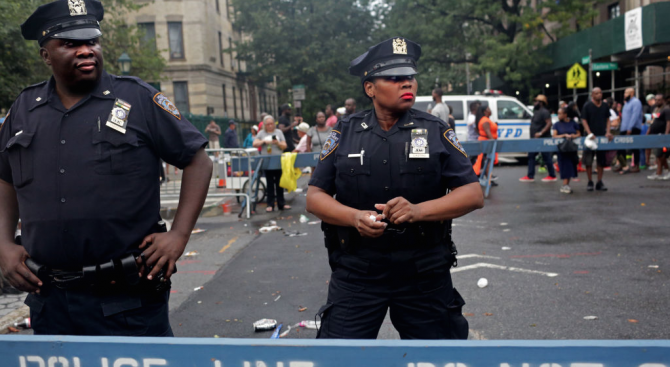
<point x="393" y="57"/>
<point x="67" y="19"/>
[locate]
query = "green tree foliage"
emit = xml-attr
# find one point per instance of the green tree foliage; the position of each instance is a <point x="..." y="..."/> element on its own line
<point x="500" y="36"/>
<point x="308" y="42"/>
<point x="21" y="66"/>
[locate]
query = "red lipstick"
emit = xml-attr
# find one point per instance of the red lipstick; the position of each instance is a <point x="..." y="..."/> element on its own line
<point x="407" y="96"/>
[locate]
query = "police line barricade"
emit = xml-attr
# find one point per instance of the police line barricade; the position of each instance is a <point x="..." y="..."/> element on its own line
<point x="72" y="351"/>
<point x="619" y="142"/>
<point x="225" y="182"/>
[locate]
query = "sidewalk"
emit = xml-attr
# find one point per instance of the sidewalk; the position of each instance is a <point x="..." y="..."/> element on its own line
<point x="12" y="310"/>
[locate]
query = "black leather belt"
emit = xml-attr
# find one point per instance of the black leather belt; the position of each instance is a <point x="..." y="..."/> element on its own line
<point x="123" y="271"/>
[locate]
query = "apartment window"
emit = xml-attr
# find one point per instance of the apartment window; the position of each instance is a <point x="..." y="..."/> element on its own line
<point x="176" y="39"/>
<point x="221" y="48"/>
<point x="218" y="10"/>
<point x="230" y="44"/>
<point x="149" y="37"/>
<point x="614" y="11"/>
<point x="225" y="102"/>
<point x="181" y="96"/>
<point x="228" y="9"/>
<point x="234" y="103"/>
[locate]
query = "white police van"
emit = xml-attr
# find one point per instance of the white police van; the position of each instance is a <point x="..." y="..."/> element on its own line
<point x="512" y="117"/>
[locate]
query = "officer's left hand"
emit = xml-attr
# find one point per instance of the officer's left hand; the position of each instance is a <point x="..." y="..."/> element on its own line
<point x="399" y="210"/>
<point x="163" y="249"/>
<point x="609" y="136"/>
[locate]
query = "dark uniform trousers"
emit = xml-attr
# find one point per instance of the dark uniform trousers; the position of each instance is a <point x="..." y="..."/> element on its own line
<point x="112" y="310"/>
<point x="415" y="284"/>
<point x="406" y="270"/>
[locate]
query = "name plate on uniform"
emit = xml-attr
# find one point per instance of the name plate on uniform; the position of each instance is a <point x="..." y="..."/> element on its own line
<point x="419" y="144"/>
<point x="118" y="118"/>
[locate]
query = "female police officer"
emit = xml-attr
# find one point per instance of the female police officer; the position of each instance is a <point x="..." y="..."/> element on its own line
<point x="399" y="161"/>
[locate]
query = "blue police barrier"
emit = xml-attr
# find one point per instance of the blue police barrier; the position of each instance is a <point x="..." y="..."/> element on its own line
<point x="72" y="351"/>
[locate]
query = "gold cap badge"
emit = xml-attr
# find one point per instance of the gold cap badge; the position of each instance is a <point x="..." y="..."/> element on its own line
<point x="399" y="46"/>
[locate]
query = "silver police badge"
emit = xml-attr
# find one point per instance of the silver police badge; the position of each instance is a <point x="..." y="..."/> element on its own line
<point x="118" y="118"/>
<point x="419" y="144"/>
<point x="77" y="7"/>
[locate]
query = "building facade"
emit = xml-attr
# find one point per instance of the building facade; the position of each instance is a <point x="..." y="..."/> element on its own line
<point x="203" y="75"/>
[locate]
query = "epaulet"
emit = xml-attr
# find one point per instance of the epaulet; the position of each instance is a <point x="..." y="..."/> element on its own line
<point x="355" y="116"/>
<point x="34" y="86"/>
<point x="425" y="116"/>
<point x="136" y="80"/>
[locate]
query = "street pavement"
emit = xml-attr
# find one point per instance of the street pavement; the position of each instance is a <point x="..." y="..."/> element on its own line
<point x="551" y="260"/>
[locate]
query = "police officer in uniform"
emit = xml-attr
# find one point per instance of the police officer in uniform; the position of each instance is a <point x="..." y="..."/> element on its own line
<point x="388" y="228"/>
<point x="79" y="159"/>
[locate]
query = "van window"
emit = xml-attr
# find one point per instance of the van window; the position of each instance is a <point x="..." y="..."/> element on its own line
<point x="511" y="110"/>
<point x="422" y="106"/>
<point x="482" y="101"/>
<point x="456" y="109"/>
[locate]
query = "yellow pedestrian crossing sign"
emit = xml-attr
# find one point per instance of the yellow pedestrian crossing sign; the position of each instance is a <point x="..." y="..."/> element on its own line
<point x="576" y="77"/>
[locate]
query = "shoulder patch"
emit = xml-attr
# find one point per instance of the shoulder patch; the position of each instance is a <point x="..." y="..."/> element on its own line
<point x="450" y="135"/>
<point x="331" y="144"/>
<point x="164" y="103"/>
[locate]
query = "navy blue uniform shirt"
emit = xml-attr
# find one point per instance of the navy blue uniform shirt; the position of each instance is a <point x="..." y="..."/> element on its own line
<point x="387" y="170"/>
<point x="88" y="193"/>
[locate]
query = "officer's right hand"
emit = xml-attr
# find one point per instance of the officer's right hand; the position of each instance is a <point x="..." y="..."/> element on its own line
<point x="12" y="263"/>
<point x="366" y="226"/>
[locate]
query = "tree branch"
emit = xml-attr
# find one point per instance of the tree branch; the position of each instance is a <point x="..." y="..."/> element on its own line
<point x="547" y="32"/>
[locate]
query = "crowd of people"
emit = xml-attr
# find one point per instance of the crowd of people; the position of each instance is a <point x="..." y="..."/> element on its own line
<point x="598" y="118"/>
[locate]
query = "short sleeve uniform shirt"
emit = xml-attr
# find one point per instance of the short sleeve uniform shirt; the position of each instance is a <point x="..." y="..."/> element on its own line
<point x="87" y="192"/>
<point x="386" y="170"/>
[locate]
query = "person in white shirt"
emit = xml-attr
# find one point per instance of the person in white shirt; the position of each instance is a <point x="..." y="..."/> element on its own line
<point x="440" y="110"/>
<point x="303" y="128"/>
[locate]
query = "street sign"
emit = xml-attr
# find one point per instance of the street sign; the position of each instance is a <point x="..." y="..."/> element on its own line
<point x="297" y="104"/>
<point x="299" y="92"/>
<point x="605" y="66"/>
<point x="576" y="77"/>
<point x="585" y="60"/>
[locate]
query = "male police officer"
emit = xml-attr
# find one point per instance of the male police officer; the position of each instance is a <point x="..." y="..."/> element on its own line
<point x="79" y="162"/>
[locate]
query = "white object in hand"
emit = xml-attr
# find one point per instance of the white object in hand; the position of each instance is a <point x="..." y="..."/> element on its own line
<point x="482" y="282"/>
<point x="268" y="139"/>
<point x="373" y="218"/>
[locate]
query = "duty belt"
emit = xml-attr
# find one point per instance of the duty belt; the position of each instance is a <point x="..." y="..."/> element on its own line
<point x="123" y="271"/>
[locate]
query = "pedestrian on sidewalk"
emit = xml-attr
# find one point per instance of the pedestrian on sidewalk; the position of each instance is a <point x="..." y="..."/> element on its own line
<point x="440" y="110"/>
<point x="303" y="128"/>
<point x="596" y="120"/>
<point x="318" y="134"/>
<point x="273" y="142"/>
<point x="567" y="161"/>
<point x="540" y="127"/>
<point x="631" y="124"/>
<point x="285" y="125"/>
<point x="230" y="136"/>
<point x="249" y="140"/>
<point x="386" y="218"/>
<point x="80" y="158"/>
<point x="331" y="118"/>
<point x="660" y="126"/>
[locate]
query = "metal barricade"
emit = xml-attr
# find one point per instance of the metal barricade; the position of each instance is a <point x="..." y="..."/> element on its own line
<point x="225" y="182"/>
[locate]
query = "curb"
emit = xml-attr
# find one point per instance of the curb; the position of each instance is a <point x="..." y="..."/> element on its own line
<point x="17" y="315"/>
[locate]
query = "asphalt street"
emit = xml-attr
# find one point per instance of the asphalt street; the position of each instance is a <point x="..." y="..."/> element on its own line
<point x="550" y="259"/>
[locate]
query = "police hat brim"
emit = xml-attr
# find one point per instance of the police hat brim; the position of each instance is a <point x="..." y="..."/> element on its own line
<point x="81" y="34"/>
<point x="401" y="71"/>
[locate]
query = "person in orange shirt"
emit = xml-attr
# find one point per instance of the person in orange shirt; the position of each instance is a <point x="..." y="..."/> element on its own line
<point x="488" y="130"/>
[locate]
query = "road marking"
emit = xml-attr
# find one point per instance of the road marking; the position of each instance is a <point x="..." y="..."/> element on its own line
<point x="560" y="256"/>
<point x="467" y="256"/>
<point x="232" y="240"/>
<point x="509" y="268"/>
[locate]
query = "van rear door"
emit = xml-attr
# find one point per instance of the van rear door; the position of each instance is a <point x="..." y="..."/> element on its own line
<point x="513" y="119"/>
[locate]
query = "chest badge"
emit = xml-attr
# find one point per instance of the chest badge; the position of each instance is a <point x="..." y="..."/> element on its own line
<point x="118" y="117"/>
<point x="419" y="144"/>
<point x="364" y="125"/>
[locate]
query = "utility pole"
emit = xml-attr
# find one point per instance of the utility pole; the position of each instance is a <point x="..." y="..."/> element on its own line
<point x="590" y="70"/>
<point x="467" y="77"/>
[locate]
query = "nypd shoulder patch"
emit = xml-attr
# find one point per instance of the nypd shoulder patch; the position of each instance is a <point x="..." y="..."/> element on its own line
<point x="450" y="135"/>
<point x="331" y="144"/>
<point x="163" y="102"/>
